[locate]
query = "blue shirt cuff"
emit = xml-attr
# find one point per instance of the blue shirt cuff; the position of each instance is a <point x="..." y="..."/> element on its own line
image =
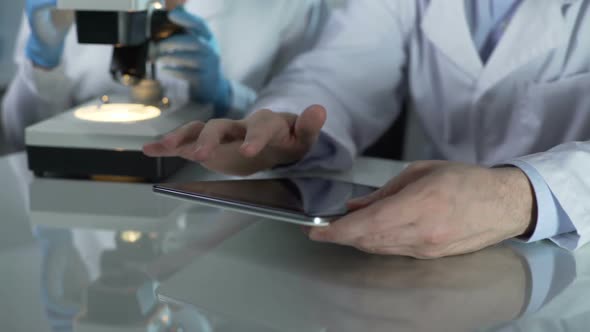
<point x="552" y="220"/>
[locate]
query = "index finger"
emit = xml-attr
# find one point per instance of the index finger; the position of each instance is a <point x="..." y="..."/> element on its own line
<point x="265" y="126"/>
<point x="168" y="146"/>
<point x="214" y="134"/>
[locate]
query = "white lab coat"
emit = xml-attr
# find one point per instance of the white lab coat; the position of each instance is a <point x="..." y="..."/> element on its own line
<point x="256" y="37"/>
<point x="533" y="95"/>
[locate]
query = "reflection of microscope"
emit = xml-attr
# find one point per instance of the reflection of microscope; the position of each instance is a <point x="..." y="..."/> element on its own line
<point x="116" y="295"/>
<point x="105" y="138"/>
<point x="124" y="242"/>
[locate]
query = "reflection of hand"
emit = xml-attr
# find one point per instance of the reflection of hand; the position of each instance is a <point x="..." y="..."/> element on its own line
<point x="400" y="294"/>
<point x="263" y="140"/>
<point x="436" y="209"/>
<point x="49" y="28"/>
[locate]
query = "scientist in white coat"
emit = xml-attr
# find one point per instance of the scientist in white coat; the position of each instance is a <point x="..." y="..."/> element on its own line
<point x="502" y="89"/>
<point x="234" y="49"/>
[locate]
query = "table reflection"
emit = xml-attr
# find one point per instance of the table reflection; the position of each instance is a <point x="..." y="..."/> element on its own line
<point x="293" y="284"/>
<point x="105" y="248"/>
<point x="558" y="300"/>
<point x="110" y="283"/>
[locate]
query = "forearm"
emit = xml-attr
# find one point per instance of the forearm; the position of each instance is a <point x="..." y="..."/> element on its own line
<point x="327" y="75"/>
<point x="32" y="97"/>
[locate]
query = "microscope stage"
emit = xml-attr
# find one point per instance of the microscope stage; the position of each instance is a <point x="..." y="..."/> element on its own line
<point x="107" y="140"/>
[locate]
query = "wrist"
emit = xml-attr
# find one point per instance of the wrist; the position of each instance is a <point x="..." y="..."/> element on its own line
<point x="518" y="199"/>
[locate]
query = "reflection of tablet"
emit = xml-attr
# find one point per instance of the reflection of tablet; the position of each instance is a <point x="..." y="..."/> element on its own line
<point x="306" y="201"/>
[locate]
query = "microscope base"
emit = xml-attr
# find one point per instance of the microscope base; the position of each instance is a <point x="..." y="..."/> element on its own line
<point x="74" y="162"/>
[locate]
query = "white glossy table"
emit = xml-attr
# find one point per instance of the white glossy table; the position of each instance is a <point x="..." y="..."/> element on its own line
<point x="86" y="256"/>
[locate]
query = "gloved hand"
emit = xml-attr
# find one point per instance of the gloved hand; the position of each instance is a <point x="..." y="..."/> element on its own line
<point x="49" y="28"/>
<point x="194" y="57"/>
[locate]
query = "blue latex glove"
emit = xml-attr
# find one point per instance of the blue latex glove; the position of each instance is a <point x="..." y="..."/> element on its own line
<point x="48" y="32"/>
<point x="194" y="57"/>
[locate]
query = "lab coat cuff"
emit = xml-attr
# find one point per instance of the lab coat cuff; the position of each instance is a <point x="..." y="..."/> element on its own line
<point x="564" y="169"/>
<point x="50" y="85"/>
<point x="552" y="221"/>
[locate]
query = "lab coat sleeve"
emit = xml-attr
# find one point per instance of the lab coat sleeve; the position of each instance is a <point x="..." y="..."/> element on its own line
<point x="565" y="169"/>
<point x="356" y="70"/>
<point x="33" y="95"/>
<point x="302" y="24"/>
<point x="242" y="98"/>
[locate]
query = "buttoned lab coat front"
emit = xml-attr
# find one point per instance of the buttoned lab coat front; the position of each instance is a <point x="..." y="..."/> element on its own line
<point x="530" y="102"/>
<point x="256" y="38"/>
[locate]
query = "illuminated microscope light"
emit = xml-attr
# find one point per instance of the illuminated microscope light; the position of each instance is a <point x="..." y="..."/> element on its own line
<point x="117" y="113"/>
<point x="131" y="236"/>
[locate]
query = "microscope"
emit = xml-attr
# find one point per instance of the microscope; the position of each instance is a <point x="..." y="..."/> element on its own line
<point x="105" y="137"/>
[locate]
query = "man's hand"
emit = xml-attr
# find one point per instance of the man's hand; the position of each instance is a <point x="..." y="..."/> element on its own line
<point x="262" y="141"/>
<point x="436" y="209"/>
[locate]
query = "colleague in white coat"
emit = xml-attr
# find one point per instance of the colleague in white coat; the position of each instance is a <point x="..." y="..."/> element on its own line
<point x="505" y="87"/>
<point x="251" y="41"/>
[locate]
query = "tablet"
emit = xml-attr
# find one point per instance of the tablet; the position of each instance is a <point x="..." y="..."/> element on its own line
<point x="303" y="200"/>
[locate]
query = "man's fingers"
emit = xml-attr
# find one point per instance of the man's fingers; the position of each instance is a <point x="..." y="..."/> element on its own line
<point x="214" y="134"/>
<point x="183" y="135"/>
<point x="363" y="202"/>
<point x="409" y="175"/>
<point x="306" y="230"/>
<point x="391" y="188"/>
<point x="309" y="124"/>
<point x="169" y="144"/>
<point x="264" y="126"/>
<point x="157" y="149"/>
<point x="375" y="218"/>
